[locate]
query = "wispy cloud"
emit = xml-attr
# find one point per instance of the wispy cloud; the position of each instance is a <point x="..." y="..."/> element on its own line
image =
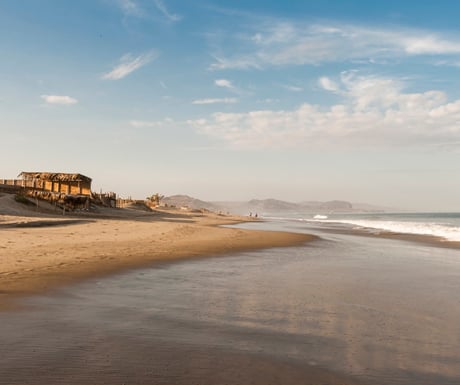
<point x="59" y="99"/>
<point x="268" y="101"/>
<point x="327" y="84"/>
<point x="130" y="8"/>
<point x="430" y="45"/>
<point x="228" y="84"/>
<point x="216" y="101"/>
<point x="278" y="43"/>
<point x="448" y="63"/>
<point x="128" y="64"/>
<point x="162" y="8"/>
<point x="292" y="88"/>
<point x="224" y="83"/>
<point x="374" y="112"/>
<point x="235" y="62"/>
<point x="151" y="123"/>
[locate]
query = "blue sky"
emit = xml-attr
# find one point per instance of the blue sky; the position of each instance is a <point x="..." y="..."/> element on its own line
<point x="233" y="100"/>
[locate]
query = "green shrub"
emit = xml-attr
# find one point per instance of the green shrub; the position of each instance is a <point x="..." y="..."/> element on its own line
<point x="22" y="199"/>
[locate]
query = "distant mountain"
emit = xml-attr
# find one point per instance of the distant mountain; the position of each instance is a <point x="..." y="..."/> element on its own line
<point x="336" y="205"/>
<point x="272" y="205"/>
<point x="187" y="201"/>
<point x="278" y="206"/>
<point x="368" y="207"/>
<point x="311" y="203"/>
<point x="269" y="206"/>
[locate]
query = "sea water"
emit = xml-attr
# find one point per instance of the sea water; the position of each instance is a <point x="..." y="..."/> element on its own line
<point x="445" y="225"/>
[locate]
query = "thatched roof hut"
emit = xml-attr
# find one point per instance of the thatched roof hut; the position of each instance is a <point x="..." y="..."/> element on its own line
<point x="54" y="177"/>
<point x="60" y="183"/>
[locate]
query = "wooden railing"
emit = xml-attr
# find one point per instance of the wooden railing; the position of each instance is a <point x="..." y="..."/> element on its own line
<point x="18" y="183"/>
<point x="12" y="182"/>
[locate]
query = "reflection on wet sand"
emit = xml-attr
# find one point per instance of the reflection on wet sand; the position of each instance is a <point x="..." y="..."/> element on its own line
<point x="390" y="314"/>
<point x="381" y="311"/>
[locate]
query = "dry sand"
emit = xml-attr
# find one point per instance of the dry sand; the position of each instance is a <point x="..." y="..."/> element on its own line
<point x="39" y="251"/>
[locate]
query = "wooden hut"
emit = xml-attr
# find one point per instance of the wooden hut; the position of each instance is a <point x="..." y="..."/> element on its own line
<point x="60" y="183"/>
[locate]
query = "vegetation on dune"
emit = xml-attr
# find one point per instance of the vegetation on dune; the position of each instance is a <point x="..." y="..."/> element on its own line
<point x="22" y="199"/>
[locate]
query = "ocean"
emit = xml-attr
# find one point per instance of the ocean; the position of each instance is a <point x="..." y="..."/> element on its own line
<point x="444" y="225"/>
<point x="362" y="309"/>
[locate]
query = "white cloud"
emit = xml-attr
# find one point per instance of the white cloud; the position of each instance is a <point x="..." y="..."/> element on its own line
<point x="151" y="123"/>
<point x="224" y="83"/>
<point x="215" y="101"/>
<point x="162" y="8"/>
<point x="449" y="63"/>
<point x="128" y="64"/>
<point x="130" y="8"/>
<point x="327" y="84"/>
<point x="293" y="88"/>
<point x="275" y="43"/>
<point x="235" y="63"/>
<point x="431" y="45"/>
<point x="268" y="101"/>
<point x="59" y="99"/>
<point x="374" y="112"/>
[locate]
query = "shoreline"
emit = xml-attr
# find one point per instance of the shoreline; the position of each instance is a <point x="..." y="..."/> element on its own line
<point x="425" y="239"/>
<point x="40" y="253"/>
<point x="158" y="319"/>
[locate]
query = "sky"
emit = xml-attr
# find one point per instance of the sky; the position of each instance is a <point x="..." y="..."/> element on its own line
<point x="233" y="100"/>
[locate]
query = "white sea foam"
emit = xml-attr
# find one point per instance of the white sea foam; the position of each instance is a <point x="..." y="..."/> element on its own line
<point x="447" y="228"/>
<point x="451" y="233"/>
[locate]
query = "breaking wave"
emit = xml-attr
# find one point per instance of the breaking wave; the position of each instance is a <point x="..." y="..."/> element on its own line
<point x="320" y="216"/>
<point x="446" y="231"/>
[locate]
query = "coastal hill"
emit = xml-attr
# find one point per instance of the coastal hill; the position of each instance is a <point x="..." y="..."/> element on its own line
<point x="10" y="205"/>
<point x="269" y="206"/>
<point x="187" y="201"/>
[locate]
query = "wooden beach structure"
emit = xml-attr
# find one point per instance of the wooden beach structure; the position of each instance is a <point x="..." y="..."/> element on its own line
<point x="66" y="190"/>
<point x="70" y="189"/>
<point x="61" y="183"/>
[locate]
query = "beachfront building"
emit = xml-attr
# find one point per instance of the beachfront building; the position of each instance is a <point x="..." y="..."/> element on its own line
<point x="59" y="183"/>
<point x="66" y="190"/>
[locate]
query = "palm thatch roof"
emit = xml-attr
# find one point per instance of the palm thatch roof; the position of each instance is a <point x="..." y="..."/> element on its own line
<point x="55" y="177"/>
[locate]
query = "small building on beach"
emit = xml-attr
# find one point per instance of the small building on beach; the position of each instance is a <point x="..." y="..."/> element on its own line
<point x="61" y="183"/>
<point x="69" y="190"/>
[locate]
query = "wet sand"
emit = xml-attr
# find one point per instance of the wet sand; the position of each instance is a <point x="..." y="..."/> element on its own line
<point x="62" y="344"/>
<point x="345" y="309"/>
<point x="135" y="360"/>
<point x="41" y="253"/>
<point x="342" y="310"/>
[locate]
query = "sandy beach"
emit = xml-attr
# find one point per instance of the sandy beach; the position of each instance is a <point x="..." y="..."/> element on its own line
<point x="94" y="298"/>
<point x="39" y="251"/>
<point x="344" y="309"/>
